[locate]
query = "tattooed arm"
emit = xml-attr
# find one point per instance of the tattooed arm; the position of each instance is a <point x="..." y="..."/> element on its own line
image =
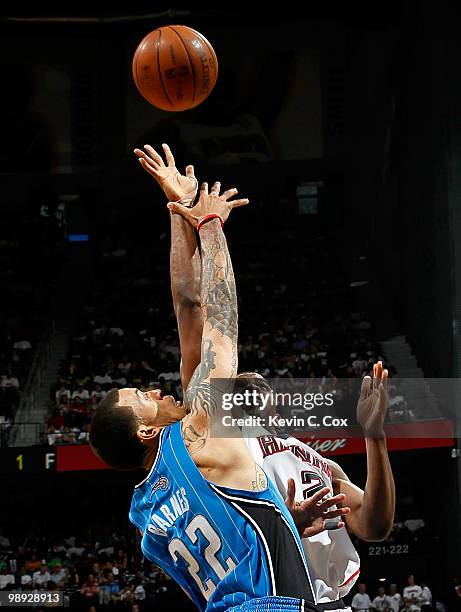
<point x="224" y="460"/>
<point x="219" y="336"/>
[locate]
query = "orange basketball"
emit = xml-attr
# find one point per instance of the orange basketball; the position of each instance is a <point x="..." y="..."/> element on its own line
<point x="175" y="68"/>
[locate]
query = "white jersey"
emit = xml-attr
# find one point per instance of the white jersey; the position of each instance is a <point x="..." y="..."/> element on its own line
<point x="381" y="603"/>
<point x="333" y="560"/>
<point x="414" y="594"/>
<point x="395" y="601"/>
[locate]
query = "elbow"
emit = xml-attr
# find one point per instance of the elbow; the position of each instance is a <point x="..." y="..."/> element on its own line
<point x="185" y="297"/>
<point x="185" y="292"/>
<point x="376" y="533"/>
<point x="190" y="302"/>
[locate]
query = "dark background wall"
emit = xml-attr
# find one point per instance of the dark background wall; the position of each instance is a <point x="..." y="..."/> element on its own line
<point x="382" y="132"/>
<point x="379" y="84"/>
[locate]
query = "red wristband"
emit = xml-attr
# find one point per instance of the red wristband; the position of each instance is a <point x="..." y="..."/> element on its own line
<point x="207" y="218"/>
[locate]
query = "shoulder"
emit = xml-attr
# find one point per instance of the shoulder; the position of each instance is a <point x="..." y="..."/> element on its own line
<point x="337" y="470"/>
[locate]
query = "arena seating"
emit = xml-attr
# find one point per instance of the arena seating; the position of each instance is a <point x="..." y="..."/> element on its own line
<point x="29" y="242"/>
<point x="293" y="321"/>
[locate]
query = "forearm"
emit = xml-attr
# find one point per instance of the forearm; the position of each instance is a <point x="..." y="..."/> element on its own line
<point x="376" y="515"/>
<point x="219" y="298"/>
<point x="185" y="264"/>
<point x="218" y="357"/>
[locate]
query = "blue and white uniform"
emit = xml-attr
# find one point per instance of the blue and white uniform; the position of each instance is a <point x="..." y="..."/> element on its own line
<point x="226" y="548"/>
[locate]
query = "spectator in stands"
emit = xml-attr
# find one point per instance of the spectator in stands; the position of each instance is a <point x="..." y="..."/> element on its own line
<point x="119" y="379"/>
<point x="90" y="593"/>
<point x="414" y="524"/>
<point x="84" y="435"/>
<point x="361" y="601"/>
<point x="81" y="393"/>
<point x="63" y="391"/>
<point x="381" y="602"/>
<point x="109" y="588"/>
<point x="127" y="595"/>
<point x="68" y="436"/>
<point x="395" y="599"/>
<point x="53" y="435"/>
<point x="139" y="593"/>
<point x="4" y="541"/>
<point x="33" y="563"/>
<point x="105" y="380"/>
<point x="57" y="418"/>
<point x="75" y="547"/>
<point x="97" y="394"/>
<point x="9" y="390"/>
<point x="76" y="415"/>
<point x="25" y="579"/>
<point x="412" y="595"/>
<point x="122" y="559"/>
<point x="6" y="578"/>
<point x="41" y="577"/>
<point x="9" y="381"/>
<point x="58" y="575"/>
<point x="426" y="598"/>
<point x="124" y="366"/>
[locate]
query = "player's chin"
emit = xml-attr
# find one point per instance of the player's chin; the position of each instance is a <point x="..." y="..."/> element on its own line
<point x="170" y="402"/>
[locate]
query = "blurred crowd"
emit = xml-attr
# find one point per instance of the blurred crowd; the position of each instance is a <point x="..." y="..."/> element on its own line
<point x="413" y="597"/>
<point x="92" y="575"/>
<point x="29" y="242"/>
<point x="299" y="317"/>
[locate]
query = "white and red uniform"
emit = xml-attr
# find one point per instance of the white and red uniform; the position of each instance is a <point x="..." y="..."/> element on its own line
<point x="333" y="560"/>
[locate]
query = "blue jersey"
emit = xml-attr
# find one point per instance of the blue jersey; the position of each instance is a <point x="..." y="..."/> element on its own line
<point x="222" y="546"/>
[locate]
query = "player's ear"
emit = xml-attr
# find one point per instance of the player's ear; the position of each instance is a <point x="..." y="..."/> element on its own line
<point x="147" y="434"/>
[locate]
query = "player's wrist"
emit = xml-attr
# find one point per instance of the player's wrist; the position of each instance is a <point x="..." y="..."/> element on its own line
<point x="211" y="219"/>
<point x="375" y="437"/>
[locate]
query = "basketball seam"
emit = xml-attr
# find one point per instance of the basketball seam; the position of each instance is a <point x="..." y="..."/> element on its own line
<point x="159" y="71"/>
<point x="189" y="58"/>
<point x="212" y="53"/>
<point x="210" y="48"/>
<point x="135" y="71"/>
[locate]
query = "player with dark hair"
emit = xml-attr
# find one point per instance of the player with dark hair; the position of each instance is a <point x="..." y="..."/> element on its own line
<point x="122" y="420"/>
<point x="333" y="558"/>
<point x="208" y="516"/>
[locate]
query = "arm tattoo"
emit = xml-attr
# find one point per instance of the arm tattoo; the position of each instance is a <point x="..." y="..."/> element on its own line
<point x="199" y="394"/>
<point x="260" y="482"/>
<point x="218" y="293"/>
<point x="219" y="300"/>
<point x="193" y="439"/>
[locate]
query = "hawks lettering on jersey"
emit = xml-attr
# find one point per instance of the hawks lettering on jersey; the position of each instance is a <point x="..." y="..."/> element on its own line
<point x="334" y="562"/>
<point x="271" y="445"/>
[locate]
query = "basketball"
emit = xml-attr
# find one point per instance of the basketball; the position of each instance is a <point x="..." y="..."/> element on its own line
<point x="175" y="68"/>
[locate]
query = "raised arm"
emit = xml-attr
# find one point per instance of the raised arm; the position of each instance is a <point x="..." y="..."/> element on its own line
<point x="185" y="263"/>
<point x="185" y="266"/>
<point x="218" y="358"/>
<point x="372" y="510"/>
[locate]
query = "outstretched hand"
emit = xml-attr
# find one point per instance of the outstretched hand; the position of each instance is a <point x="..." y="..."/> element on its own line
<point x="311" y="515"/>
<point x="373" y="402"/>
<point x="176" y="186"/>
<point x="212" y="202"/>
